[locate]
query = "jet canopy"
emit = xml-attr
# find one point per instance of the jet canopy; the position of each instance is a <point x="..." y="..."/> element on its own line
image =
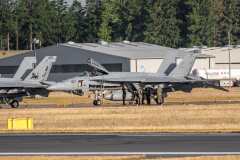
<point x="97" y="66"/>
<point x="84" y="74"/>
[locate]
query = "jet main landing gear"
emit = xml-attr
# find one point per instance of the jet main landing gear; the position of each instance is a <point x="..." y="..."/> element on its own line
<point x="14" y="104"/>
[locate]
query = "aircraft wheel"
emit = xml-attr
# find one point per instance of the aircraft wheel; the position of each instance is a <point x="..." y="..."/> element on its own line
<point x="99" y="102"/>
<point x="14" y="104"/>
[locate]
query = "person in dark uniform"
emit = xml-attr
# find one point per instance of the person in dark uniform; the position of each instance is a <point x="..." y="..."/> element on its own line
<point x="124" y="90"/>
<point x="147" y="90"/>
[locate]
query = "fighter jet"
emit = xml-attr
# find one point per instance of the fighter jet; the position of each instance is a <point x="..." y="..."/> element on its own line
<point x="91" y="82"/>
<point x="13" y="89"/>
<point x="82" y="83"/>
<point x="179" y="79"/>
<point x="169" y="77"/>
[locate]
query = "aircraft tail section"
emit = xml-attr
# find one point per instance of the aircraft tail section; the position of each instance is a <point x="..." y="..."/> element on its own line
<point x="25" y="67"/>
<point x="168" y="63"/>
<point x="185" y="66"/>
<point x="41" y="72"/>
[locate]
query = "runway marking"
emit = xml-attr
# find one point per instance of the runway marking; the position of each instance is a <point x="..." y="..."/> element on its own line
<point x="118" y="153"/>
<point x="124" y="134"/>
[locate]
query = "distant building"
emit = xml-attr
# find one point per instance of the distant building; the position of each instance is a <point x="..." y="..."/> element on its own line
<point x="115" y="57"/>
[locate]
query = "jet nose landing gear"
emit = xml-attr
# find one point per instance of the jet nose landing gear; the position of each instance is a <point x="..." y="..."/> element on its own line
<point x="97" y="102"/>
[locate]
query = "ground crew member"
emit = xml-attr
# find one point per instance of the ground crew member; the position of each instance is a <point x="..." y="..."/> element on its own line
<point x="148" y="93"/>
<point x="124" y="91"/>
<point x="159" y="94"/>
<point x="136" y="96"/>
<point x="139" y="96"/>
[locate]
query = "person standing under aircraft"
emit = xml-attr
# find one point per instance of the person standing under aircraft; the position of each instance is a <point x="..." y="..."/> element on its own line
<point x="124" y="88"/>
<point x="148" y="93"/>
<point x="159" y="94"/>
<point x="139" y="96"/>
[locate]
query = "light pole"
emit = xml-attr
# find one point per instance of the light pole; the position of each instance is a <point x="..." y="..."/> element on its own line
<point x="35" y="41"/>
<point x="229" y="30"/>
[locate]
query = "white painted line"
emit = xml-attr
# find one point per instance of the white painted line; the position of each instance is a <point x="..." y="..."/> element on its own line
<point x="118" y="153"/>
<point x="125" y="134"/>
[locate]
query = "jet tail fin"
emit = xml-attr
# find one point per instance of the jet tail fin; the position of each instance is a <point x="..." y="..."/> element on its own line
<point x="185" y="66"/>
<point x="41" y="72"/>
<point x="168" y="63"/>
<point x="25" y="67"/>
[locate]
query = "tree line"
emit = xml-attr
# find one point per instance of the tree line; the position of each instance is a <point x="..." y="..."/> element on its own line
<point x="171" y="23"/>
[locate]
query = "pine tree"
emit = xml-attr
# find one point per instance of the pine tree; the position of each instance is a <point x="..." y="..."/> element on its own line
<point x="109" y="17"/>
<point x="6" y="8"/>
<point x="132" y="20"/>
<point x="77" y="13"/>
<point x="231" y="19"/>
<point x="92" y="20"/>
<point x="201" y="22"/>
<point x="162" y="26"/>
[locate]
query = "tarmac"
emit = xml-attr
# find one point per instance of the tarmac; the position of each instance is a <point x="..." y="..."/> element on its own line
<point x="118" y="105"/>
<point x="150" y="144"/>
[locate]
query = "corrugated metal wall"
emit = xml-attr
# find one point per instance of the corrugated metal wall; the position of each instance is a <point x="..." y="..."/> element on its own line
<point x="152" y="65"/>
<point x="145" y="65"/>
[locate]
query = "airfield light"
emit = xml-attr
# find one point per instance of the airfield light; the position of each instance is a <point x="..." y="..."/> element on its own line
<point x="229" y="30"/>
<point x="34" y="41"/>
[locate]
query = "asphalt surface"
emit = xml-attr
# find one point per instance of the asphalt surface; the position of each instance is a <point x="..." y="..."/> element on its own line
<point x="153" y="145"/>
<point x="118" y="105"/>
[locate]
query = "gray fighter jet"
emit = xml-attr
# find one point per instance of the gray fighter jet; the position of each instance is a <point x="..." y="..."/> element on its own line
<point x="89" y="82"/>
<point x="13" y="89"/>
<point x="169" y="76"/>
<point x="82" y="83"/>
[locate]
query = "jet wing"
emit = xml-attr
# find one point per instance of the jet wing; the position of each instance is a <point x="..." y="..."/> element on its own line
<point x="148" y="80"/>
<point x="215" y="87"/>
<point x="171" y="80"/>
<point x="48" y="83"/>
<point x="119" y="80"/>
<point x="20" y="85"/>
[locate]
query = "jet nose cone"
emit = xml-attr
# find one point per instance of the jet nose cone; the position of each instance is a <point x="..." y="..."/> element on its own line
<point x="55" y="87"/>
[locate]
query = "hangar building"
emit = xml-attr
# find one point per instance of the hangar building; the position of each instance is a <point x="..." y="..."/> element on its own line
<point x="118" y="57"/>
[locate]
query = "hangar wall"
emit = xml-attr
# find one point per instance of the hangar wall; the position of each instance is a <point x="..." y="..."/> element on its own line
<point x="145" y="65"/>
<point x="206" y="63"/>
<point x="66" y="57"/>
<point x="152" y="65"/>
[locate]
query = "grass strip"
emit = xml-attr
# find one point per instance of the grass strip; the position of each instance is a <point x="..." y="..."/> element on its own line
<point x="158" y="119"/>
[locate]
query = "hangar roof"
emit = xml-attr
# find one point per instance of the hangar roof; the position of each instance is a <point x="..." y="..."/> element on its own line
<point x="131" y="50"/>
